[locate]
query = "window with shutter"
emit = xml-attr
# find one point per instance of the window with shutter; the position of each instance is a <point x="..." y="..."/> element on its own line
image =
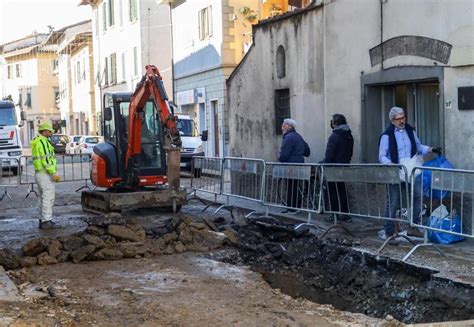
<point x="135" y="61"/>
<point x="111" y="13"/>
<point x="205" y="22"/>
<point x="104" y="17"/>
<point x="282" y="108"/>
<point x="106" y="71"/>
<point x="133" y="10"/>
<point x="113" y="68"/>
<point x="28" y="98"/>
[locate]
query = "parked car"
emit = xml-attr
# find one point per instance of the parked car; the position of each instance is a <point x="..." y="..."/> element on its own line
<point x="59" y="142"/>
<point x="72" y="144"/>
<point x="87" y="143"/>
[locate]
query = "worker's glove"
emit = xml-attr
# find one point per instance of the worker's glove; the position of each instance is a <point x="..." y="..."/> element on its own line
<point x="437" y="150"/>
<point x="56" y="178"/>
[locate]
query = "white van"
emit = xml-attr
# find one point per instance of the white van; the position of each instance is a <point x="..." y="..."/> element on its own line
<point x="192" y="142"/>
<point x="10" y="144"/>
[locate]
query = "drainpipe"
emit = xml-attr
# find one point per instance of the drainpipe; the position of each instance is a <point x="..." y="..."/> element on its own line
<point x="381" y="32"/>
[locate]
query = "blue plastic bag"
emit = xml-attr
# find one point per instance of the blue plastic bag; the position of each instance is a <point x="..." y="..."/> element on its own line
<point x="438" y="162"/>
<point x="448" y="224"/>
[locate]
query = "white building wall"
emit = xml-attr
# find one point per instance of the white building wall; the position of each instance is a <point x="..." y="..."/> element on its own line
<point x="198" y="69"/>
<point x="186" y="39"/>
<point x="126" y="39"/>
<point x="29" y="78"/>
<point x="81" y="91"/>
<point x="121" y="38"/>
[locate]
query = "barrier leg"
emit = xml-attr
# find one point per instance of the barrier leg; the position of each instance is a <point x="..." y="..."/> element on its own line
<point x="394" y="236"/>
<point x="83" y="187"/>
<point x="424" y="244"/>
<point x="299" y="226"/>
<point x="229" y="207"/>
<point x="31" y="189"/>
<point x="5" y="194"/>
<point x="337" y="226"/>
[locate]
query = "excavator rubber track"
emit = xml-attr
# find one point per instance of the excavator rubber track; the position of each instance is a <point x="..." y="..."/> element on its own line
<point x="100" y="202"/>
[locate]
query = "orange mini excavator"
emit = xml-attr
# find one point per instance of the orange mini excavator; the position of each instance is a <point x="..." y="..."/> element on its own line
<point x="139" y="162"/>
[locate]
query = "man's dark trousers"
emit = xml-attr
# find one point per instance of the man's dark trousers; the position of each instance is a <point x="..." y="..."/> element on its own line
<point x="393" y="203"/>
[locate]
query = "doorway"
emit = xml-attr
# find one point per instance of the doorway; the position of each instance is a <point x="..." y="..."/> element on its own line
<point x="421" y="101"/>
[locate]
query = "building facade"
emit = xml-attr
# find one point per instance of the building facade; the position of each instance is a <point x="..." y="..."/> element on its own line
<point x="29" y="71"/>
<point x="209" y="40"/>
<point x="76" y="79"/>
<point x="127" y="35"/>
<point x="358" y="59"/>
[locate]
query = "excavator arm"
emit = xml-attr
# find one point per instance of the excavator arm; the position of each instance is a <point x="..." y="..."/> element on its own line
<point x="151" y="85"/>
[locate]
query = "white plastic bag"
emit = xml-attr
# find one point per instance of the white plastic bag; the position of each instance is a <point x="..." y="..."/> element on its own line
<point x="410" y="164"/>
<point x="440" y="212"/>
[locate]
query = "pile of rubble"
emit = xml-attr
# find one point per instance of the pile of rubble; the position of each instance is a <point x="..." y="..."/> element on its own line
<point x="111" y="237"/>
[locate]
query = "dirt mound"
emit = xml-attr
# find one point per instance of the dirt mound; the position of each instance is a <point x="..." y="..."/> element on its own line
<point x="110" y="237"/>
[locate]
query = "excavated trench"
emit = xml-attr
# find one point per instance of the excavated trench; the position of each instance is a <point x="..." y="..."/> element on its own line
<point x="326" y="271"/>
<point x="330" y="271"/>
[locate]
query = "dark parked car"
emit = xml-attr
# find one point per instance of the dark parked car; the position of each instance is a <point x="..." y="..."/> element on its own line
<point x="59" y="142"/>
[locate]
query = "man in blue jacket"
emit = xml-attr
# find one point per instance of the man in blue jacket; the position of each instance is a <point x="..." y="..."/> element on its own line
<point x="293" y="150"/>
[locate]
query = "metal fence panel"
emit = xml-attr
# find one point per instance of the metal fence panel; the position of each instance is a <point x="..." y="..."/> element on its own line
<point x="70" y="168"/>
<point x="243" y="178"/>
<point x="363" y="190"/>
<point x="207" y="174"/>
<point x="10" y="170"/>
<point x="292" y="185"/>
<point x="449" y="197"/>
<point x="9" y="175"/>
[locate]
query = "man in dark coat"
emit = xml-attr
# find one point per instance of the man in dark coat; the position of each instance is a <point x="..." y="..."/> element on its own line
<point x="293" y="150"/>
<point x="338" y="150"/>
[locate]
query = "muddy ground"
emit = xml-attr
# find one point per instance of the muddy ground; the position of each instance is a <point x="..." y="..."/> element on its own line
<point x="229" y="286"/>
<point x="175" y="290"/>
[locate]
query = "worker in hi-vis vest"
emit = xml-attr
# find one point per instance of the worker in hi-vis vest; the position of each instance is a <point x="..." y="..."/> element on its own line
<point x="44" y="162"/>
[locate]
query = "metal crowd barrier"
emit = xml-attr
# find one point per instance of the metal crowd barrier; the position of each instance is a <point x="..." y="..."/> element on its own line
<point x="70" y="168"/>
<point x="359" y="190"/>
<point x="294" y="187"/>
<point x="243" y="178"/>
<point x="206" y="177"/>
<point x="9" y="175"/>
<point x="362" y="190"/>
<point x="449" y="198"/>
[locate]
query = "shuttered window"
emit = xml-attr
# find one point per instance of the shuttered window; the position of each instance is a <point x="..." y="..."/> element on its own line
<point x="113" y="68"/>
<point x="282" y="108"/>
<point x="111" y="13"/>
<point x="133" y="10"/>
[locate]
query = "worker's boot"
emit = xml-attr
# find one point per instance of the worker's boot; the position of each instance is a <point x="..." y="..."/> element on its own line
<point x="48" y="224"/>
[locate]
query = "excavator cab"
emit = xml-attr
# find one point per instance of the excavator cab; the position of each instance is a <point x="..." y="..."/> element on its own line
<point x="139" y="162"/>
<point x="115" y="127"/>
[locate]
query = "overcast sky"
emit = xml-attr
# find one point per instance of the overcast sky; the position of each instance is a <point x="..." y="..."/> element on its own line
<point x="19" y="18"/>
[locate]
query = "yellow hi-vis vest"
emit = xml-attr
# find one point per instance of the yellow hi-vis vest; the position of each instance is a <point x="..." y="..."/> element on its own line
<point x="43" y="155"/>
